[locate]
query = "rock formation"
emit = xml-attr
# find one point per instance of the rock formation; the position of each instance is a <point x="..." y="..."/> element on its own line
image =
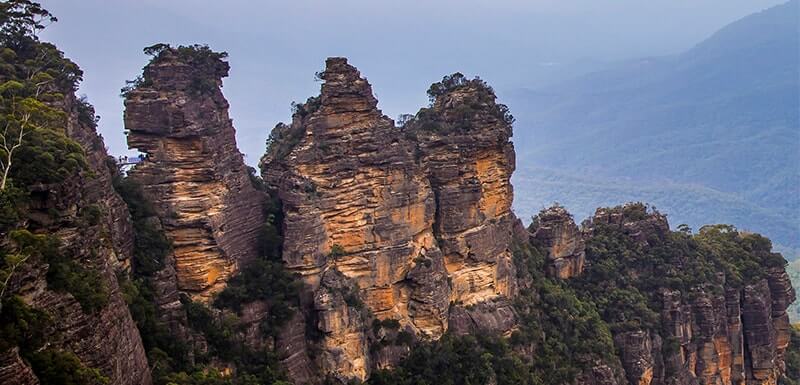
<point x="192" y="169"/>
<point x="465" y="150"/>
<point x="106" y="339"/>
<point x="716" y="334"/>
<point x="368" y="200"/>
<point x="555" y="230"/>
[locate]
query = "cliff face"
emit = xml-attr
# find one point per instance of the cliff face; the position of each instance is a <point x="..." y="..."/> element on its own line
<point x="366" y="200"/>
<point x="555" y="229"/>
<point x="107" y="338"/>
<point x="717" y="332"/>
<point x="466" y="153"/>
<point x="192" y="170"/>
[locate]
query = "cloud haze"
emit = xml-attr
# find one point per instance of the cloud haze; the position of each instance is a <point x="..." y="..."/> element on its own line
<point x="402" y="47"/>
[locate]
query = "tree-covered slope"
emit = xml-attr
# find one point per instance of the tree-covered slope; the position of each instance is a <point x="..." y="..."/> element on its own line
<point x="720" y="117"/>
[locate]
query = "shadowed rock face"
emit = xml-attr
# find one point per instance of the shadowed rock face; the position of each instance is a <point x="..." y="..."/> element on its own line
<point x="718" y="334"/>
<point x="107" y="339"/>
<point x="377" y="205"/>
<point x="193" y="171"/>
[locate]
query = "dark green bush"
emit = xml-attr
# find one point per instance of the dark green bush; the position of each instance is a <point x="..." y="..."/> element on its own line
<point x="156" y="336"/>
<point x="56" y="367"/>
<point x="22" y="325"/>
<point x="64" y="273"/>
<point x="12" y="207"/>
<point x="151" y="245"/>
<point x="792" y="375"/>
<point x="455" y="361"/>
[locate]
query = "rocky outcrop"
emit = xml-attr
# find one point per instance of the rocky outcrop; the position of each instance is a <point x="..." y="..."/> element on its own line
<point x="494" y="317"/>
<point x="718" y="333"/>
<point x="343" y="324"/>
<point x="192" y="170"/>
<point x="465" y="150"/>
<point x="354" y="200"/>
<point x="555" y="230"/>
<point x="379" y="204"/>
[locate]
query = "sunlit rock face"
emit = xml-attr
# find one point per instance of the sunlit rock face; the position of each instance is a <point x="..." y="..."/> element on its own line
<point x="417" y="222"/>
<point x="557" y="232"/>
<point x="466" y="152"/>
<point x="193" y="171"/>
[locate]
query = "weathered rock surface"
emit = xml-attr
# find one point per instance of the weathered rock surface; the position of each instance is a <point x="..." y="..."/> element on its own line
<point x="495" y="316"/>
<point x="555" y="230"/>
<point x="368" y="200"/>
<point x="717" y="334"/>
<point x="344" y="345"/>
<point x="13" y="370"/>
<point x="193" y="171"/>
<point x="465" y="150"/>
<point x="108" y="338"/>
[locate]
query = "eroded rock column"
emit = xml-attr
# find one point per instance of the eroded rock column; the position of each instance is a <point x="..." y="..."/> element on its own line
<point x="192" y="169"/>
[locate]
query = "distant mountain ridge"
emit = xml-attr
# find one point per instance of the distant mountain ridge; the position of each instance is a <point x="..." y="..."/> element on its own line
<point x="722" y="118"/>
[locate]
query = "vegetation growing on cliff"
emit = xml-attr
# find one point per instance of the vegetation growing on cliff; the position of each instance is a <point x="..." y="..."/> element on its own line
<point x="57" y="367"/>
<point x="34" y="79"/>
<point x="207" y="66"/>
<point x="559" y="337"/>
<point x="264" y="279"/>
<point x="455" y="360"/>
<point x="284" y="137"/>
<point x="792" y="375"/>
<point x="564" y="330"/>
<point x="625" y="277"/>
<point x="474" y="101"/>
<point x="37" y="157"/>
<point x="151" y="246"/>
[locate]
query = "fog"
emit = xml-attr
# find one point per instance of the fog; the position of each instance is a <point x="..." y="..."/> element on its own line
<point x="276" y="47"/>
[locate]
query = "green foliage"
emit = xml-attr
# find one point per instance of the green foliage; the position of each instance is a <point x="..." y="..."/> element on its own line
<point x="86" y="113"/>
<point x="266" y="281"/>
<point x="219" y="329"/>
<point x="56" y="367"/>
<point x="151" y="245"/>
<point x="12" y="207"/>
<point x="458" y="360"/>
<point x="22" y="325"/>
<point x="218" y="332"/>
<point x="337" y="251"/>
<point x="34" y="77"/>
<point x="21" y="19"/>
<point x="744" y="256"/>
<point x="47" y="156"/>
<point x="625" y="277"/>
<point x="792" y="375"/>
<point x="156" y="337"/>
<point x="564" y="330"/>
<point x="26" y="327"/>
<point x="207" y="67"/>
<point x="64" y="273"/>
<point x="91" y="214"/>
<point x="477" y="98"/>
<point x="284" y="137"/>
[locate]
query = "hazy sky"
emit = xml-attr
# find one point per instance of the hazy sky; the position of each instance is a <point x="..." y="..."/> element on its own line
<point x="401" y="46"/>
